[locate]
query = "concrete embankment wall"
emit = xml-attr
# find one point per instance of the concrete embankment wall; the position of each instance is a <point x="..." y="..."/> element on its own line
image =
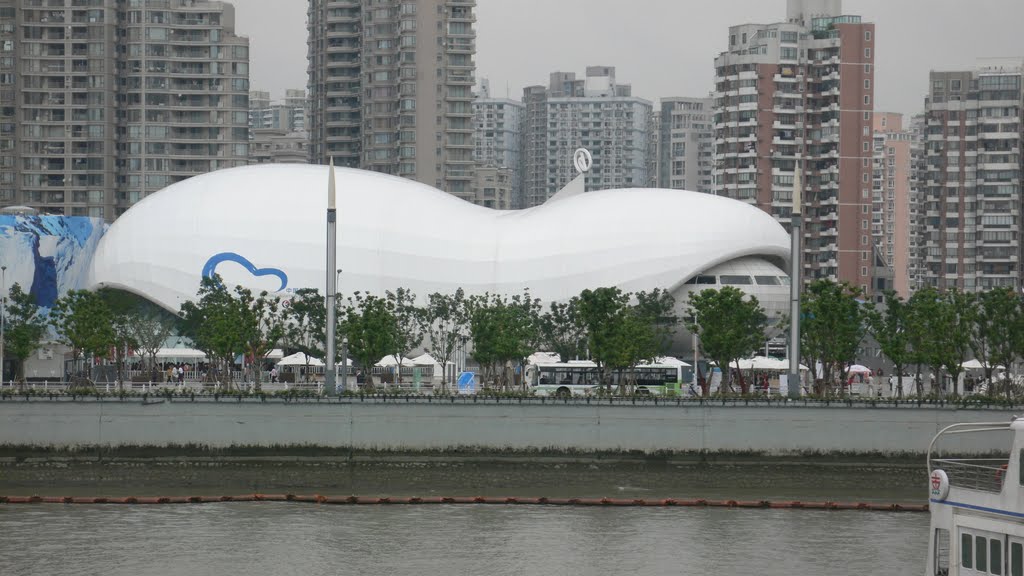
<point x="420" y="426"/>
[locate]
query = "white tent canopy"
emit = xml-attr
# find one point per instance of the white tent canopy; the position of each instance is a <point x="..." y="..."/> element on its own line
<point x="179" y="353"/>
<point x="670" y="361"/>
<point x="977" y="365"/>
<point x="300" y="359"/>
<point x="762" y="363"/>
<point x="858" y="369"/>
<point x="428" y="360"/>
<point x="424" y="359"/>
<point x="392" y="360"/>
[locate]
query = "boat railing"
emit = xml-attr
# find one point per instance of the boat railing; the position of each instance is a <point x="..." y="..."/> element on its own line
<point x="985" y="474"/>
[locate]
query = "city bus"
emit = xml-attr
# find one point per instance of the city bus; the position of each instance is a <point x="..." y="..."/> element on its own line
<point x="548" y="377"/>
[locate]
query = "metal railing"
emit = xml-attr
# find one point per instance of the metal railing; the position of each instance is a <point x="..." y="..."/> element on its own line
<point x="985" y="474"/>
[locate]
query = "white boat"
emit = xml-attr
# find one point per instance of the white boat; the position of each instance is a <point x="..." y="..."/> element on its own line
<point x="977" y="504"/>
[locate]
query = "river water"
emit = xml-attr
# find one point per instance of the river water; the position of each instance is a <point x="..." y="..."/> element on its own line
<point x="227" y="539"/>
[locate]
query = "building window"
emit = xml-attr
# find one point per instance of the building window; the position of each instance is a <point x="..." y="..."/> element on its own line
<point x="867" y="53"/>
<point x="867" y="35"/>
<point x="867" y="100"/>
<point x="867" y="84"/>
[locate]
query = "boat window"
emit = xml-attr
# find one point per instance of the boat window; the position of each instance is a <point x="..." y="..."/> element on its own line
<point x="703" y="280"/>
<point x="995" y="552"/>
<point x="966" y="551"/>
<point x="767" y="280"/>
<point x="980" y="554"/>
<point x="1016" y="559"/>
<point x="736" y="280"/>
<point x="784" y="280"/>
<point x="941" y="552"/>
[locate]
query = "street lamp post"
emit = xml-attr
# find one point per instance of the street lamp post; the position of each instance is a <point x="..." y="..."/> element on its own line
<point x="3" y="318"/>
<point x="793" y="378"/>
<point x="330" y="372"/>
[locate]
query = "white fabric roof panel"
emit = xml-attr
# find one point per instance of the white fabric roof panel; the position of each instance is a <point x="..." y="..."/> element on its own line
<point x="264" y="227"/>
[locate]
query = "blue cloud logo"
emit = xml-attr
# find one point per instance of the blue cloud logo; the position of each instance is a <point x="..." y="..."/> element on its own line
<point x="211" y="267"/>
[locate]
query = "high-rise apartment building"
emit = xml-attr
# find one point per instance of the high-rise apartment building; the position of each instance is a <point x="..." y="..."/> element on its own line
<point x="685" y="144"/>
<point x="391" y="88"/>
<point x="112" y="100"/>
<point x="297" y="109"/>
<point x="795" y="95"/>
<point x="971" y="184"/>
<point x="596" y="113"/>
<point x="498" y="129"/>
<point x="289" y="115"/>
<point x="891" y="203"/>
<point x="915" y="237"/>
<point x="273" y="146"/>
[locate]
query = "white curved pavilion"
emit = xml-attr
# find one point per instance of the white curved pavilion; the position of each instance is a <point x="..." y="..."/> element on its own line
<point x="265" y="227"/>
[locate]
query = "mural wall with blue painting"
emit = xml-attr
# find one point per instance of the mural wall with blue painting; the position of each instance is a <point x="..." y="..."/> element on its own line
<point x="48" y="255"/>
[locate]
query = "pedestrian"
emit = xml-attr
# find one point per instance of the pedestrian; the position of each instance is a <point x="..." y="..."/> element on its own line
<point x="273" y="375"/>
<point x="170" y="374"/>
<point x="181" y="375"/>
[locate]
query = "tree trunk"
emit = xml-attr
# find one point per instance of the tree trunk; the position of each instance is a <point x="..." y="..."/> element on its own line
<point x="917" y="381"/>
<point x="899" y="381"/>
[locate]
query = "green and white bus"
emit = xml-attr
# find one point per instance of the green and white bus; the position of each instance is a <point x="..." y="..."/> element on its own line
<point x="581" y="378"/>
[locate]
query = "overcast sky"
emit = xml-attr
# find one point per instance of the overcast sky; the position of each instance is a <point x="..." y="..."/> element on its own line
<point x="664" y="47"/>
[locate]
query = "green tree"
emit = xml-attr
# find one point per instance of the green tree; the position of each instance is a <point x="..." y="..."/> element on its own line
<point x="24" y="331"/>
<point x="372" y="330"/>
<point x="409" y="321"/>
<point x="563" y="331"/>
<point x="996" y="332"/>
<point x="890" y="328"/>
<point x="84" y="322"/>
<point x="657" y="310"/>
<point x="923" y="309"/>
<point x="306" y="324"/>
<point x="213" y="324"/>
<point x="645" y="332"/>
<point x="729" y="326"/>
<point x="126" y="311"/>
<point x="600" y="311"/>
<point x="445" y="320"/>
<point x="833" y="326"/>
<point x="505" y="331"/>
<point x="151" y="328"/>
<point x="261" y="325"/>
<point x="952" y="330"/>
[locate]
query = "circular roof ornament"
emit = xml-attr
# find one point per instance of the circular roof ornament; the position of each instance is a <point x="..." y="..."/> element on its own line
<point x="582" y="160"/>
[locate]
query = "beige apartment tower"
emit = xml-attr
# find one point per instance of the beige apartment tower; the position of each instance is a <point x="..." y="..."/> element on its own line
<point x="799" y="95"/>
<point x="103" y="101"/>
<point x="391" y="88"/>
<point x="971" y="178"/>
<point x="892" y="225"/>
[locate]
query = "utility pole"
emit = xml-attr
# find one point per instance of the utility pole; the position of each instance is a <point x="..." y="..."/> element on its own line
<point x="330" y="371"/>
